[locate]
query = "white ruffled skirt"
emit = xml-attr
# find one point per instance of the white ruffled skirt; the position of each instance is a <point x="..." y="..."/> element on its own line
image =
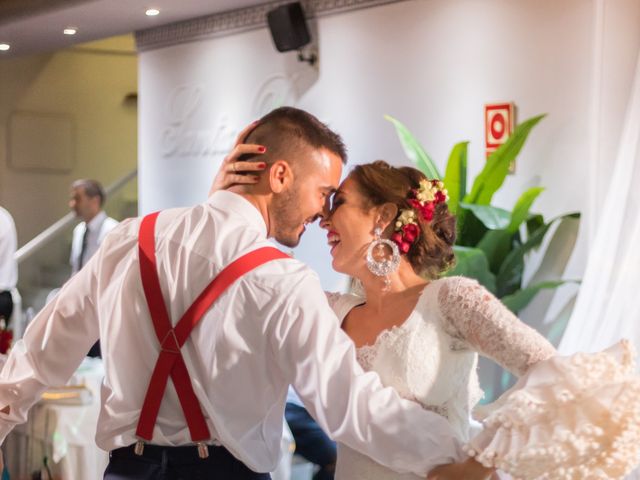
<point x="568" y="418"/>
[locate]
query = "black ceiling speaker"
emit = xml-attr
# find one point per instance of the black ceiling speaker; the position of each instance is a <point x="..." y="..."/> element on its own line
<point x="288" y="27"/>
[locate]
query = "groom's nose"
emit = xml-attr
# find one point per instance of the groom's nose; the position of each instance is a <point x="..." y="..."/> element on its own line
<point x="326" y="212"/>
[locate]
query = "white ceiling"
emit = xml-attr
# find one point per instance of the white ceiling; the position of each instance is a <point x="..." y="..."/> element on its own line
<point x="35" y="26"/>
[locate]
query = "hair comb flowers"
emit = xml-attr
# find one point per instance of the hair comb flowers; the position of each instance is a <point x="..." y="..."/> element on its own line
<point x="423" y="201"/>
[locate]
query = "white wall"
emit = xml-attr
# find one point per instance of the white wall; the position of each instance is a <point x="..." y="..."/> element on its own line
<point x="432" y="63"/>
<point x="87" y="84"/>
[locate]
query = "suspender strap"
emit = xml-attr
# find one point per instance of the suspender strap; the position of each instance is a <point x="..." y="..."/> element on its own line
<point x="170" y="361"/>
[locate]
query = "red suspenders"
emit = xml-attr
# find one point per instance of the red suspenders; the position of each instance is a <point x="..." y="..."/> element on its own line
<point x="170" y="362"/>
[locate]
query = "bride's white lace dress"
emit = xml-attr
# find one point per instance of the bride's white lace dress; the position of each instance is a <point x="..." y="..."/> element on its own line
<point x="431" y="359"/>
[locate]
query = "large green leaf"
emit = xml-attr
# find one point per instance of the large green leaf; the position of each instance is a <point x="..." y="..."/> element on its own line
<point x="496" y="245"/>
<point x="414" y="150"/>
<point x="495" y="170"/>
<point x="521" y="210"/>
<point x="470" y="229"/>
<point x="472" y="263"/>
<point x="521" y="298"/>
<point x="509" y="276"/>
<point x="534" y="222"/>
<point x="455" y="176"/>
<point x="493" y="218"/>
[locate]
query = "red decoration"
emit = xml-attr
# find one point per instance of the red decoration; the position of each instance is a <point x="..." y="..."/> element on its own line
<point x="499" y="121"/>
<point x="6" y="337"/>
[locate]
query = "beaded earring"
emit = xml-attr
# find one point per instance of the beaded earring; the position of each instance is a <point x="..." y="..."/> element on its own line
<point x="384" y="266"/>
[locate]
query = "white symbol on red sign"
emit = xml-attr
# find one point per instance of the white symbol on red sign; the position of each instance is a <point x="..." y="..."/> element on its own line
<point x="498" y="124"/>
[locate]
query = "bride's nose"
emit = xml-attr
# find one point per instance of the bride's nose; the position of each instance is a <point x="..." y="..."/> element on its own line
<point x="325" y="222"/>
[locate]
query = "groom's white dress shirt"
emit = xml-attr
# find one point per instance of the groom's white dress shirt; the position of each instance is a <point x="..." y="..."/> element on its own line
<point x="271" y="328"/>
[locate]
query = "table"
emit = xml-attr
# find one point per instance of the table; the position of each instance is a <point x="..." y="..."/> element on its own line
<point x="64" y="433"/>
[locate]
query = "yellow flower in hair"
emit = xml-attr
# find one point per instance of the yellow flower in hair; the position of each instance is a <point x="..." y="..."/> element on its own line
<point x="406" y="217"/>
<point x="426" y="192"/>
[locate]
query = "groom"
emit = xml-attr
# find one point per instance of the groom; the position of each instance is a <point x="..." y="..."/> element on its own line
<point x="232" y="323"/>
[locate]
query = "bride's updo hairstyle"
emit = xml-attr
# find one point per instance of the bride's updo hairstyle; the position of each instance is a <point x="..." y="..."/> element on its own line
<point x="432" y="251"/>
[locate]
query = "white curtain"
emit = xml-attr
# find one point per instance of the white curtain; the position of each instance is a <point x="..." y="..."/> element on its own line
<point x="608" y="305"/>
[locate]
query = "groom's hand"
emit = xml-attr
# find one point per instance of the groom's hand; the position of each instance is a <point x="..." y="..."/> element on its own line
<point x="468" y="470"/>
<point x="233" y="170"/>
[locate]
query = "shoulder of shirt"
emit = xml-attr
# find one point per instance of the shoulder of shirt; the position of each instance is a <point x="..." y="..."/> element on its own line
<point x="278" y="276"/>
<point x="285" y="276"/>
<point x="127" y="227"/>
<point x="110" y="223"/>
<point x="131" y="226"/>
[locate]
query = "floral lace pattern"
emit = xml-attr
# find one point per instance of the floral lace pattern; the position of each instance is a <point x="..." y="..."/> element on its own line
<point x="365" y="356"/>
<point x="474" y="315"/>
<point x="567" y="418"/>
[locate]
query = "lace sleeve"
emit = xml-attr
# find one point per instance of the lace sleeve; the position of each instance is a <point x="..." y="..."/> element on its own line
<point x="473" y="314"/>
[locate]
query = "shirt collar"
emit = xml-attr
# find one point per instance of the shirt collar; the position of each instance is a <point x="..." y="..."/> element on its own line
<point x="96" y="222"/>
<point x="241" y="206"/>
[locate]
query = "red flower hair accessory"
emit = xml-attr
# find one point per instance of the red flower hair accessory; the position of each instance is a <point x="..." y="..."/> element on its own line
<point x="423" y="201"/>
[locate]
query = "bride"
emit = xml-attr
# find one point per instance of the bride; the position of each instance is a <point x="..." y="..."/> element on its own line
<point x="389" y="228"/>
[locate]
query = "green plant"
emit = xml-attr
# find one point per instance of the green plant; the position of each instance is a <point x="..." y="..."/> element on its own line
<point x="492" y="242"/>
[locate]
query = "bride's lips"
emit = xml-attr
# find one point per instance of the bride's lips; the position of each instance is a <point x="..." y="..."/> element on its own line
<point x="333" y="239"/>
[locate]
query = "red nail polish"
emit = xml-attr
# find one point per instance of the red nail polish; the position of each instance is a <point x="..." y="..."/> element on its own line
<point x="262" y="165"/>
<point x="262" y="149"/>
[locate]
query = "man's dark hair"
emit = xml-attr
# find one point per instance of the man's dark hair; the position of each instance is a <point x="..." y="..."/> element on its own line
<point x="92" y="188"/>
<point x="286" y="131"/>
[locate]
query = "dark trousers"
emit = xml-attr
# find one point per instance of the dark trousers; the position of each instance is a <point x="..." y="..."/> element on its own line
<point x="177" y="463"/>
<point x="311" y="441"/>
<point x="95" y="351"/>
<point x="6" y="305"/>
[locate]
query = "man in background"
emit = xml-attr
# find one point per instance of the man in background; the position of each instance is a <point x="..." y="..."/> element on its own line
<point x="8" y="264"/>
<point x="87" y="200"/>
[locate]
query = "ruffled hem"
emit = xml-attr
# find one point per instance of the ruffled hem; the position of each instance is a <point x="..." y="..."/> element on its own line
<point x="568" y="418"/>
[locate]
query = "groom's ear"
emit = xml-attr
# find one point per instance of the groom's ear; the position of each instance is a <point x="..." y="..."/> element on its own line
<point x="280" y="176"/>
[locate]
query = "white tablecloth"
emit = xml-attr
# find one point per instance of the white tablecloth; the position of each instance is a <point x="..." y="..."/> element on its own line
<point x="64" y="433"/>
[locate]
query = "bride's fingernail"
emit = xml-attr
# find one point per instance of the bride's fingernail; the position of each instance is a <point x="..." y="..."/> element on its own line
<point x="262" y="149"/>
<point x="262" y="165"/>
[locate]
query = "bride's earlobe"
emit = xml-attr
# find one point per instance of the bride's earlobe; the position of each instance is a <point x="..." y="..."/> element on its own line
<point x="387" y="213"/>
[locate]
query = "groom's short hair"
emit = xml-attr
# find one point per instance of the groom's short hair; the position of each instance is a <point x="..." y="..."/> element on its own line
<point x="287" y="131"/>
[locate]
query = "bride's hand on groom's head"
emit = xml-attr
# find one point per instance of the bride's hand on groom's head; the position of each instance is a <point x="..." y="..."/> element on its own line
<point x="234" y="170"/>
<point x="467" y="470"/>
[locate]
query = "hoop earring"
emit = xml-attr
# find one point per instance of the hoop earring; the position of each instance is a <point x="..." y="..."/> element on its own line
<point x="382" y="268"/>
